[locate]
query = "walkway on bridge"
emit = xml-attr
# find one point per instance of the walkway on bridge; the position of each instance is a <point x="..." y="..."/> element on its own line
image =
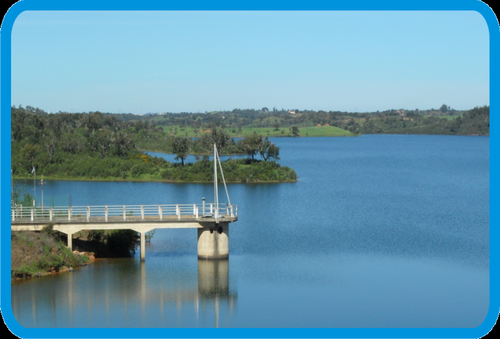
<point x="211" y="219"/>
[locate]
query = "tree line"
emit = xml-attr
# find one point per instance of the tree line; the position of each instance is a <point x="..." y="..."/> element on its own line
<point x="382" y="121"/>
<point x="100" y="146"/>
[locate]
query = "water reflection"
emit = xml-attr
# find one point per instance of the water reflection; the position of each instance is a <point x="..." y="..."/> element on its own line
<point x="135" y="297"/>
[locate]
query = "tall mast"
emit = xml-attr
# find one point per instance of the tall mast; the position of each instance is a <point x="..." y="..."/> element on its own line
<point x="216" y="193"/>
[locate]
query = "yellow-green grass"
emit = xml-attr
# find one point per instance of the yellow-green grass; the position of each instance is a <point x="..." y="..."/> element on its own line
<point x="315" y="131"/>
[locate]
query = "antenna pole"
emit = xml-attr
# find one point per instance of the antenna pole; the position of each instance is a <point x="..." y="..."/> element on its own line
<point x="223" y="180"/>
<point x="34" y="186"/>
<point x="216" y="193"/>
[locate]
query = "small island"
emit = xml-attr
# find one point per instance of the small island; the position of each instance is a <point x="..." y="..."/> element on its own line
<point x="100" y="147"/>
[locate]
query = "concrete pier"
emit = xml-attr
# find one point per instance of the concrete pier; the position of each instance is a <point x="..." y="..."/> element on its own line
<point x="213" y="241"/>
<point x="213" y="230"/>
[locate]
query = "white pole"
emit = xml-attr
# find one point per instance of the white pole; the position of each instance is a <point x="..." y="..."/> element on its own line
<point x="41" y="183"/>
<point x="34" y="186"/>
<point x="216" y="193"/>
<point x="223" y="180"/>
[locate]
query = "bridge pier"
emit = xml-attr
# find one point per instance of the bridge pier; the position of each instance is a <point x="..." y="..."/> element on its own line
<point x="70" y="241"/>
<point x="69" y="234"/>
<point x="143" y="246"/>
<point x="213" y="241"/>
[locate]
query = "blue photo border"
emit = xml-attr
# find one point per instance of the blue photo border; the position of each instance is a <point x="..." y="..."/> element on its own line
<point x="41" y="5"/>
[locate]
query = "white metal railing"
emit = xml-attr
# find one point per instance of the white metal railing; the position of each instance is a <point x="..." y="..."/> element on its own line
<point x="120" y="212"/>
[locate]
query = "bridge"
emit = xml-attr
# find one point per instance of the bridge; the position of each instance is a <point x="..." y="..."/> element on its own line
<point x="210" y="219"/>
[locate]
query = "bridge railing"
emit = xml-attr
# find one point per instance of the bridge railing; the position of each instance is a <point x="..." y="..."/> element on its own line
<point x="119" y="212"/>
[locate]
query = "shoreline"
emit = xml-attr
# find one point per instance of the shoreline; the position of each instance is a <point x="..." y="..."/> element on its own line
<point x="53" y="272"/>
<point x="154" y="180"/>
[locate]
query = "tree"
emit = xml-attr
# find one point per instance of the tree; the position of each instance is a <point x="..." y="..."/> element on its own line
<point x="122" y="143"/>
<point x="94" y="121"/>
<point x="29" y="152"/>
<point x="295" y="131"/>
<point x="268" y="150"/>
<point x="251" y="144"/>
<point x="276" y="126"/>
<point x="443" y="108"/>
<point x="273" y="152"/>
<point x="50" y="145"/>
<point x="103" y="142"/>
<point x="181" y="148"/>
<point x="220" y="138"/>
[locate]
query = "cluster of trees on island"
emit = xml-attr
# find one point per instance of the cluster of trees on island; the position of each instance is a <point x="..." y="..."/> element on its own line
<point x="100" y="146"/>
<point x="108" y="146"/>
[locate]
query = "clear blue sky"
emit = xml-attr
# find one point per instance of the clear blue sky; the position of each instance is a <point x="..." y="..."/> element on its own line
<point x="202" y="61"/>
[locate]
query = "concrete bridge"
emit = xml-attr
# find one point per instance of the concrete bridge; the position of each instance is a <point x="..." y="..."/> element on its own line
<point x="211" y="219"/>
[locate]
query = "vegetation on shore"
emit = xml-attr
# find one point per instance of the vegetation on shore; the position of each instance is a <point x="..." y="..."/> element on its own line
<point x="39" y="253"/>
<point x="303" y="123"/>
<point x="472" y="122"/>
<point x="96" y="146"/>
<point x="44" y="252"/>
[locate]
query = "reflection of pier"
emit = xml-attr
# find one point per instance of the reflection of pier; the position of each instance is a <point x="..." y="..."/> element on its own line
<point x="207" y="295"/>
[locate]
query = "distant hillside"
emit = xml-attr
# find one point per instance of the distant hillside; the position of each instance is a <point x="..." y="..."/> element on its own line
<point x="472" y="122"/>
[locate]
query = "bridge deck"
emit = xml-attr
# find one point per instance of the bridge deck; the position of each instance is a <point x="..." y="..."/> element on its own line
<point x="127" y="214"/>
<point x="119" y="220"/>
<point x="140" y="218"/>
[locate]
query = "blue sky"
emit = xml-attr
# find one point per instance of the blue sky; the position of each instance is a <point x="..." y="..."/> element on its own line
<point x="140" y="62"/>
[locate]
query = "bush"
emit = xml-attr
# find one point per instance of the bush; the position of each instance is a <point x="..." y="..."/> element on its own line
<point x="123" y="242"/>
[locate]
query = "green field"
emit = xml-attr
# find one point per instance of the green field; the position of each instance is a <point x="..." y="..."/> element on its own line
<point x="317" y="131"/>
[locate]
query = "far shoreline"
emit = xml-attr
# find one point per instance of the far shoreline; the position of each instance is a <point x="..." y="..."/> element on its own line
<point x="153" y="180"/>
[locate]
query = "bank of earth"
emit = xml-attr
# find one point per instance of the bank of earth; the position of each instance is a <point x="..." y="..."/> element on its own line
<point x="38" y="254"/>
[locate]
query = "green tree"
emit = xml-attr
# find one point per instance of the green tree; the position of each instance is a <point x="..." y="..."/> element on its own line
<point x="122" y="143"/>
<point x="180" y="148"/>
<point x="268" y="150"/>
<point x="295" y="131"/>
<point x="220" y="138"/>
<point x="29" y="152"/>
<point x="251" y="143"/>
<point x="50" y="145"/>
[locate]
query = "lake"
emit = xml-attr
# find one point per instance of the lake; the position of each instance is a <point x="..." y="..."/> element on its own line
<point x="379" y="231"/>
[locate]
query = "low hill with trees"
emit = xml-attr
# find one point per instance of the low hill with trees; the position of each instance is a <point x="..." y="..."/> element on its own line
<point x="97" y="146"/>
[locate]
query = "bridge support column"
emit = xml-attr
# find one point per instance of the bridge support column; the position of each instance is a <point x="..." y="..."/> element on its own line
<point x="70" y="241"/>
<point x="213" y="241"/>
<point x="143" y="246"/>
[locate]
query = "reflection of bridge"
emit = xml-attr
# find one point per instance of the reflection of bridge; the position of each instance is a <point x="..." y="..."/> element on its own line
<point x="211" y="220"/>
<point x="131" y="287"/>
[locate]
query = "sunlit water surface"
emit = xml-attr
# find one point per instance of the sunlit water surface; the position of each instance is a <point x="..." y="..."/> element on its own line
<point x="379" y="231"/>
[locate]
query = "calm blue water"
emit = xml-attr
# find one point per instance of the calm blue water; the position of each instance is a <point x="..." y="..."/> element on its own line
<point x="379" y="231"/>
